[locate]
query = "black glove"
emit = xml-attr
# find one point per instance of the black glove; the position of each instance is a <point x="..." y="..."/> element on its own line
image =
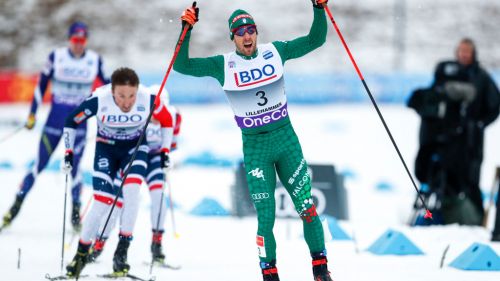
<point x="319" y="3"/>
<point x="165" y="160"/>
<point x="68" y="161"/>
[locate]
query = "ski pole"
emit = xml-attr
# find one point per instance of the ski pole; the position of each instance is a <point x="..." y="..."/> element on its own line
<point x="11" y="134"/>
<point x="428" y="214"/>
<point x="148" y="120"/>
<point x="443" y="256"/>
<point x="491" y="202"/>
<point x="176" y="52"/>
<point x="171" y="207"/>
<point x="64" y="217"/>
<point x="158" y="221"/>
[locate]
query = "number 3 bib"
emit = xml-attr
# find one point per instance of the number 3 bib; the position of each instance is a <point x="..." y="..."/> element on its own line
<point x="255" y="88"/>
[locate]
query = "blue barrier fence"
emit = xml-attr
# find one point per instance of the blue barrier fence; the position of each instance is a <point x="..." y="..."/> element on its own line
<point x="304" y="88"/>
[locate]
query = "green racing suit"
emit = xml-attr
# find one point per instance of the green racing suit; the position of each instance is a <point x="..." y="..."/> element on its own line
<point x="254" y="87"/>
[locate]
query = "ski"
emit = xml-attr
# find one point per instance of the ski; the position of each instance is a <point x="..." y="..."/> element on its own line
<point x="127" y="275"/>
<point x="107" y="276"/>
<point x="62" y="277"/>
<point x="164" y="265"/>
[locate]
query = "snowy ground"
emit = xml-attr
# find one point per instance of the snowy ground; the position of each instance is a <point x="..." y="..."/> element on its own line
<point x="222" y="248"/>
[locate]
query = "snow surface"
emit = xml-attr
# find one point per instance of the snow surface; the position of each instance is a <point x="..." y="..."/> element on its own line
<point x="223" y="248"/>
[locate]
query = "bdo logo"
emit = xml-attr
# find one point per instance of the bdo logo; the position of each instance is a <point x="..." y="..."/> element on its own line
<point x="256" y="74"/>
<point x="75" y="72"/>
<point x="123" y="118"/>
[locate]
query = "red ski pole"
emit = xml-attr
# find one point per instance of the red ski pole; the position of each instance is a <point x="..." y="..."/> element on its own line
<point x="428" y="214"/>
<point x="176" y="52"/>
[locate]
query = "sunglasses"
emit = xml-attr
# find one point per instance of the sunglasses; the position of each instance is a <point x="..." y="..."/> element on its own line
<point x="240" y="31"/>
<point x="78" y="40"/>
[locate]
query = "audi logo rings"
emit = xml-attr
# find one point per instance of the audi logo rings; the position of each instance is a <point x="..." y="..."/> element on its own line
<point x="260" y="196"/>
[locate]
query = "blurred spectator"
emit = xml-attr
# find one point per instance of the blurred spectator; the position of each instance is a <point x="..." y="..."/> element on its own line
<point x="71" y="72"/>
<point x="455" y="111"/>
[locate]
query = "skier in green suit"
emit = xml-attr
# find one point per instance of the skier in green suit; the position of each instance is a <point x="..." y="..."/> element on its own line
<point x="252" y="78"/>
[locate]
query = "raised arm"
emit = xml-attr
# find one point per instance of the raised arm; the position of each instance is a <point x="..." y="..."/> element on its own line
<point x="199" y="67"/>
<point x="300" y="46"/>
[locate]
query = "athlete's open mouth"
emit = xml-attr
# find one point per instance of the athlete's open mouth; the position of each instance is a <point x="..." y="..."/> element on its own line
<point x="247" y="45"/>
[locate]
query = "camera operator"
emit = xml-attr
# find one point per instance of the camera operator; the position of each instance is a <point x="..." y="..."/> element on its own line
<point x="455" y="111"/>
